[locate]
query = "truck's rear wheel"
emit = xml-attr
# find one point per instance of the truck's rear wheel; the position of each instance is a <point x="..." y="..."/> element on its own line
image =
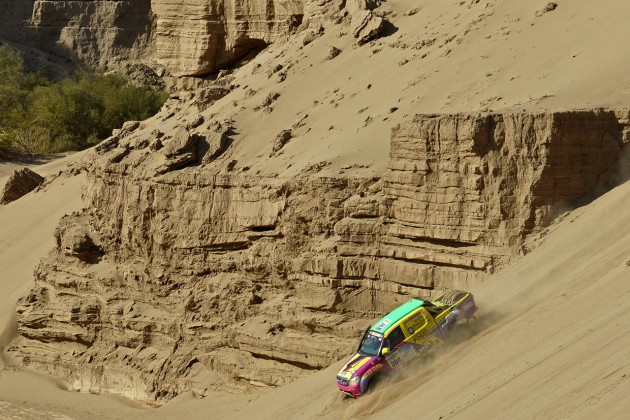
<point x="452" y="296"/>
<point x="460" y="333"/>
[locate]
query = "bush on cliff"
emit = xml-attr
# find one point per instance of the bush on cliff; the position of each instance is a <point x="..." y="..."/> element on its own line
<point x="41" y="116"/>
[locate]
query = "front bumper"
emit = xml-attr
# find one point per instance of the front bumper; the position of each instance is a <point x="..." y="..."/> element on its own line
<point x="350" y="390"/>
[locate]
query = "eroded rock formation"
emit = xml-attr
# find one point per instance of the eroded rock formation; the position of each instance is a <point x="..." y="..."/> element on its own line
<point x="186" y="38"/>
<point x="365" y="24"/>
<point x="98" y="33"/>
<point x="189" y="275"/>
<point x="20" y="182"/>
<point x="213" y="34"/>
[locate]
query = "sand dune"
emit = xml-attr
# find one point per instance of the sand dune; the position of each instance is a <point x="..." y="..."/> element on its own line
<point x="27" y="230"/>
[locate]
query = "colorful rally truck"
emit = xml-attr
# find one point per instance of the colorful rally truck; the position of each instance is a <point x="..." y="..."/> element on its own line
<point x="403" y="334"/>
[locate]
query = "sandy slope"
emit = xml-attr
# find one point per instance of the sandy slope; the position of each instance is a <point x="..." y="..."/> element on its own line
<point x="560" y="346"/>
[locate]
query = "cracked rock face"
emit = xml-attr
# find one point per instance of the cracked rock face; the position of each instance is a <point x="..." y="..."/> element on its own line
<point x="259" y="280"/>
<point x="214" y="34"/>
<point x="366" y="26"/>
<point x="98" y="33"/>
<point x="20" y="183"/>
<point x="192" y="37"/>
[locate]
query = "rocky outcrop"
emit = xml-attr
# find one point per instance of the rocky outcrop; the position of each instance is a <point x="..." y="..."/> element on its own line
<point x="150" y="40"/>
<point x="463" y="192"/>
<point x="185" y="38"/>
<point x="364" y="23"/>
<point x="198" y="276"/>
<point x="19" y="183"/>
<point x="214" y="34"/>
<point x="97" y="33"/>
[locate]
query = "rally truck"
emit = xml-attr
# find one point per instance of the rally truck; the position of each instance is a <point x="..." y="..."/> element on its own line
<point x="403" y="334"/>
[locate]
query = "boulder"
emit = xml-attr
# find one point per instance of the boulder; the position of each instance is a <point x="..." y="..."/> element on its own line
<point x="20" y="182"/>
<point x="366" y="26"/>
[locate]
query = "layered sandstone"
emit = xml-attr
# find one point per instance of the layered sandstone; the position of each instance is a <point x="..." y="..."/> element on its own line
<point x="185" y="274"/>
<point x="212" y="35"/>
<point x="96" y="33"/>
<point x="20" y="182"/>
<point x="186" y="38"/>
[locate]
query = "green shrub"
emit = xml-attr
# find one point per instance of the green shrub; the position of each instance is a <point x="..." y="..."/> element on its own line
<point x="39" y="116"/>
<point x="11" y="94"/>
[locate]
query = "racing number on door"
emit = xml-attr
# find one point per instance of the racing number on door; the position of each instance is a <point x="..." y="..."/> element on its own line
<point x="394" y="361"/>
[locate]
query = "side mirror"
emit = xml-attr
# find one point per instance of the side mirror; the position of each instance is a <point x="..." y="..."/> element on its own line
<point x="385" y="351"/>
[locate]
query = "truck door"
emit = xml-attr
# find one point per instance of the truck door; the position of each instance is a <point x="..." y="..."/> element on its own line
<point x="400" y="350"/>
<point x="422" y="330"/>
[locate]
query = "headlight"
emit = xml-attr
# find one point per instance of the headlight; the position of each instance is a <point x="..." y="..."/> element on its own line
<point x="355" y="380"/>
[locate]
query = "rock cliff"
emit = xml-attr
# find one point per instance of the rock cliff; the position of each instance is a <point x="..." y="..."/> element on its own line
<point x="215" y="34"/>
<point x="97" y="33"/>
<point x="185" y="38"/>
<point x="184" y="274"/>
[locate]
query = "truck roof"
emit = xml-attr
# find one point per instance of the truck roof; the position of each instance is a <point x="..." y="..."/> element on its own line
<point x="389" y="320"/>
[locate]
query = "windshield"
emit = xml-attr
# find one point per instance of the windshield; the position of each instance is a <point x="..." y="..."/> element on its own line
<point x="371" y="344"/>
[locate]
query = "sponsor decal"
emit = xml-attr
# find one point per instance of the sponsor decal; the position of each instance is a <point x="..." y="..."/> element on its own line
<point x="403" y="353"/>
<point x="415" y="322"/>
<point x="371" y="371"/>
<point x="420" y="335"/>
<point x="367" y="375"/>
<point x="394" y="361"/>
<point x="345" y="375"/>
<point x="381" y="326"/>
<point x="423" y="348"/>
<point x="406" y="352"/>
<point x="375" y="335"/>
<point x="406" y="346"/>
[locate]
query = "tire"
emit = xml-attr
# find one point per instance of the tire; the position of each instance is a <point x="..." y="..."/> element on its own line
<point x="452" y="296"/>
<point x="378" y="381"/>
<point x="460" y="333"/>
